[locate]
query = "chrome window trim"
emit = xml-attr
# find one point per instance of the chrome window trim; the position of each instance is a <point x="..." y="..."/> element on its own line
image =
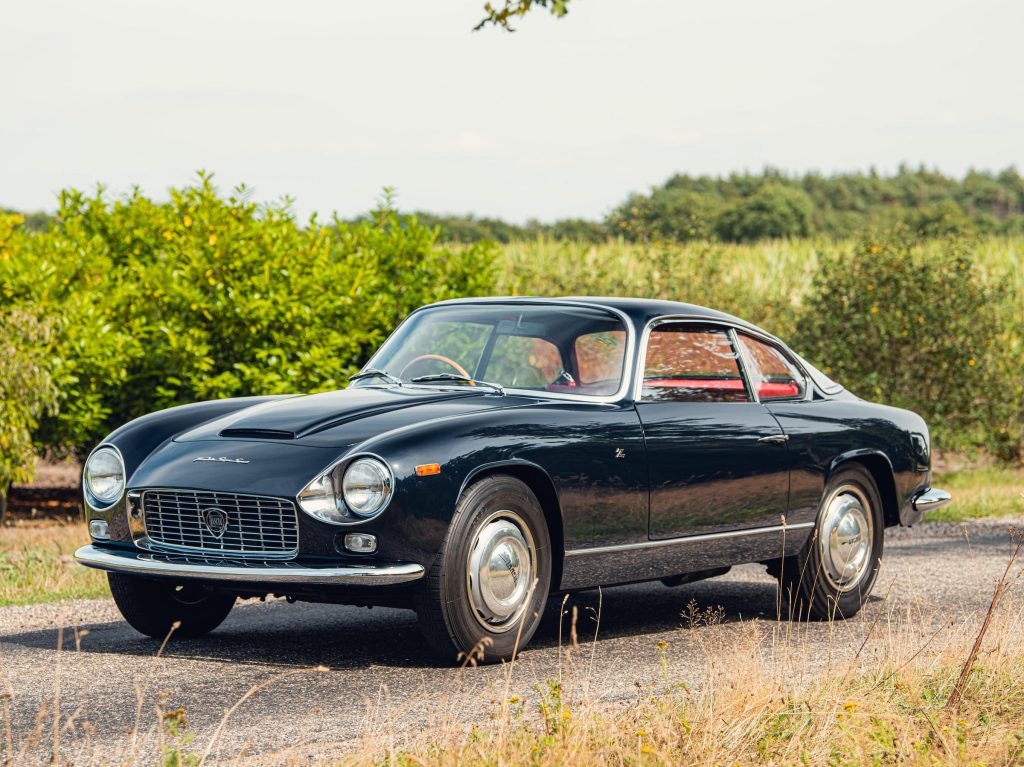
<point x="673" y="319"/>
<point x="148" y="544"/>
<point x="732" y="329"/>
<point x="788" y="356"/>
<point x="688" y="539"/>
<point x="625" y="383"/>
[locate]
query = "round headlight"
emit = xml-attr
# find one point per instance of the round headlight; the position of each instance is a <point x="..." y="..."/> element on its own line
<point x="104" y="475"/>
<point x="367" y="487"/>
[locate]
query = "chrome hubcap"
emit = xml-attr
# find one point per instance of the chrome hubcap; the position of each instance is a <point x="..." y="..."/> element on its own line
<point x="500" y="570"/>
<point x="847" y="537"/>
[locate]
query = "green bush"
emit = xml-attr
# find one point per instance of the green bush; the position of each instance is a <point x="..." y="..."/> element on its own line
<point x="26" y="390"/>
<point x="921" y="329"/>
<point x="206" y="296"/>
<point x="771" y="212"/>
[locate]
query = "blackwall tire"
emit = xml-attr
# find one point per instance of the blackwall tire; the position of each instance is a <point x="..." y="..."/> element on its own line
<point x="833" y="575"/>
<point x="482" y="597"/>
<point x="152" y="606"/>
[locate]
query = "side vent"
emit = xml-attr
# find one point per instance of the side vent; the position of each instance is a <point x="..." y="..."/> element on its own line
<point x="258" y="433"/>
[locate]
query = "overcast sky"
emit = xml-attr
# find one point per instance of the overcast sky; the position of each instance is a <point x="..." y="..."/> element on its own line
<point x="330" y="101"/>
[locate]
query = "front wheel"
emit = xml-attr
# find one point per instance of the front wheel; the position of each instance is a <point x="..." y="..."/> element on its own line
<point x="152" y="606"/>
<point x="483" y="595"/>
<point x="834" y="573"/>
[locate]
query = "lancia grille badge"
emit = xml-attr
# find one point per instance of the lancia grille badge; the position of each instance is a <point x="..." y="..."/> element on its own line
<point x="216" y="521"/>
<point x="219" y="459"/>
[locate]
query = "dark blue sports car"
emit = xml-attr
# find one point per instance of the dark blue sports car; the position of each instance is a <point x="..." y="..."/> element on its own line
<point x="496" y="451"/>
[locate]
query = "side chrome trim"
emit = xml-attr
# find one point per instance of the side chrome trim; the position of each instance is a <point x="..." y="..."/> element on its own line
<point x="151" y="564"/>
<point x="931" y="499"/>
<point x="688" y="539"/>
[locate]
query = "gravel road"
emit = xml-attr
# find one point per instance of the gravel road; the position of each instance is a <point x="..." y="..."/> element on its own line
<point x="378" y="676"/>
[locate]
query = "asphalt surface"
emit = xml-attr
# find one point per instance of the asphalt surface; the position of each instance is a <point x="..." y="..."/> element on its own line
<point x="377" y="677"/>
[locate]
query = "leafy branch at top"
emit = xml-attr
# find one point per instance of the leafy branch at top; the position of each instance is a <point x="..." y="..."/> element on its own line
<point x="503" y="15"/>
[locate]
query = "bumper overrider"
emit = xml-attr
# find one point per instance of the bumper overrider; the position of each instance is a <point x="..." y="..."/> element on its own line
<point x="930" y="499"/>
<point x="148" y="563"/>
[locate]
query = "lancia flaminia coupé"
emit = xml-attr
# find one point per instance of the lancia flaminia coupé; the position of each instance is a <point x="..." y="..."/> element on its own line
<point x="496" y="451"/>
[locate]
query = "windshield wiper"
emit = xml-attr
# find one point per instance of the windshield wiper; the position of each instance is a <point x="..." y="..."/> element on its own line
<point x="376" y="373"/>
<point x="464" y="379"/>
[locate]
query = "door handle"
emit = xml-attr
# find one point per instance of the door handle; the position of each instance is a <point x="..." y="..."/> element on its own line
<point x="775" y="439"/>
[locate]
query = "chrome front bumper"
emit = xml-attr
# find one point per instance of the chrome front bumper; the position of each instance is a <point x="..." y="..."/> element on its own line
<point x="931" y="499"/>
<point x="236" y="571"/>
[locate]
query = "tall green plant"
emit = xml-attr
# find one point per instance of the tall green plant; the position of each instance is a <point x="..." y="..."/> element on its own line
<point x="208" y="295"/>
<point x="26" y="392"/>
<point x="917" y="329"/>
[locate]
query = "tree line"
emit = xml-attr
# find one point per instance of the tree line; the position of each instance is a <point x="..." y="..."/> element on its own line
<point x="747" y="207"/>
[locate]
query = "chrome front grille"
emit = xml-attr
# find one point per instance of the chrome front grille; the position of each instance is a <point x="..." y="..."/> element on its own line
<point x="225" y="523"/>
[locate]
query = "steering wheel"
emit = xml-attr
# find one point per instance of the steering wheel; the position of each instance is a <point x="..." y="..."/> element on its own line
<point x="446" y="360"/>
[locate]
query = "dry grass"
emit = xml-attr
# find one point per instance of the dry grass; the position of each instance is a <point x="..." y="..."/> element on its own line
<point x="765" y="697"/>
<point x="37" y="564"/>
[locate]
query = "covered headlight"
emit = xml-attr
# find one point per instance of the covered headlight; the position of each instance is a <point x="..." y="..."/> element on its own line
<point x="362" y="492"/>
<point x="319" y="499"/>
<point x="104" y="475"/>
<point x="367" y="487"/>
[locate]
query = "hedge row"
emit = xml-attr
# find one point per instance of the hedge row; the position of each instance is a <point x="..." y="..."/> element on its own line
<point x="206" y="295"/>
<point x="126" y="306"/>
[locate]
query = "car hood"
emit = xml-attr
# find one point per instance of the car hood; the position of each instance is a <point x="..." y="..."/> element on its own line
<point x="345" y="417"/>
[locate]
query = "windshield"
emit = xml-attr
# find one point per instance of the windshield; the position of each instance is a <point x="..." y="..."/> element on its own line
<point x="562" y="349"/>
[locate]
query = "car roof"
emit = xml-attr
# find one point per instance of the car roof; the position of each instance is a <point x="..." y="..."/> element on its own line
<point x="639" y="310"/>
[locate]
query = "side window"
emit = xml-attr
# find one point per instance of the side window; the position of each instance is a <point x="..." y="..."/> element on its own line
<point x="692" y="365"/>
<point x="523" y="362"/>
<point x="772" y="375"/>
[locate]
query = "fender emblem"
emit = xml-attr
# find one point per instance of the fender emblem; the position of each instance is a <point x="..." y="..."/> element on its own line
<point x="219" y="459"/>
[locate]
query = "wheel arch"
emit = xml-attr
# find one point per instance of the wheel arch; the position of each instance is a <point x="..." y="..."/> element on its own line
<point x="543" y="487"/>
<point x="880" y="467"/>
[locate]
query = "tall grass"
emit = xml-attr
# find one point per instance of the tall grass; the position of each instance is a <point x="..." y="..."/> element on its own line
<point x="766" y="695"/>
<point x="763" y="282"/>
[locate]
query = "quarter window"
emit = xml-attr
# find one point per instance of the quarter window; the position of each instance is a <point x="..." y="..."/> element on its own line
<point x="692" y="365"/>
<point x="599" y="358"/>
<point x="771" y="374"/>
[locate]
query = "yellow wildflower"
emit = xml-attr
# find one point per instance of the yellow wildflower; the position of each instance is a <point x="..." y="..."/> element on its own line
<point x="213" y="239"/>
<point x="850" y="705"/>
<point x="168" y="234"/>
<point x="971" y="362"/>
<point x="187" y="220"/>
<point x="874" y="310"/>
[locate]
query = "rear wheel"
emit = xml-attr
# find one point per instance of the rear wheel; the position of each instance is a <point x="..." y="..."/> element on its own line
<point x="152" y="606"/>
<point x="483" y="595"/>
<point x="834" y="573"/>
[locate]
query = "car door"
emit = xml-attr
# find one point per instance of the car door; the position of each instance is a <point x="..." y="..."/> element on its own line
<point x="717" y="458"/>
<point x="814" y="428"/>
